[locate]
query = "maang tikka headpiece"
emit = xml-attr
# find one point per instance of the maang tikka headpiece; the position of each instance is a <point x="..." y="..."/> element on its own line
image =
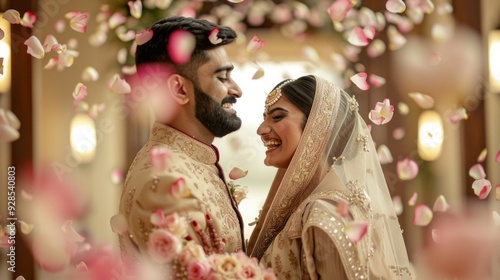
<point x="275" y="95"/>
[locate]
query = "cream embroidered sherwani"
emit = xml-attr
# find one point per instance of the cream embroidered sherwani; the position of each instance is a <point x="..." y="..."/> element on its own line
<point x="146" y="191"/>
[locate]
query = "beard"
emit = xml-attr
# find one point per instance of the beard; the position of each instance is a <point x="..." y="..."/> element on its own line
<point x="211" y="114"/>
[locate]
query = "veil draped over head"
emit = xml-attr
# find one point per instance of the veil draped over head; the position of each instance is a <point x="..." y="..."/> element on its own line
<point x="336" y="145"/>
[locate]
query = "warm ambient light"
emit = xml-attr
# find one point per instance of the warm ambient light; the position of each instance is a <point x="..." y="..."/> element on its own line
<point x="494" y="59"/>
<point x="430" y="135"/>
<point x="83" y="138"/>
<point x="5" y="55"/>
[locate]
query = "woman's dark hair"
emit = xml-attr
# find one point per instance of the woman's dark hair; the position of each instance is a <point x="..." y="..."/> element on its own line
<point x="155" y="50"/>
<point x="300" y="93"/>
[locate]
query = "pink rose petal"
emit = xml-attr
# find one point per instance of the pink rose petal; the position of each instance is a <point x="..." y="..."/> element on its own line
<point x="26" y="228"/>
<point x="78" y="21"/>
<point x="51" y="43"/>
<point x="407" y="169"/>
<point x="376" y="81"/>
<point x="236" y="173"/>
<point x="357" y="37"/>
<point x="437" y="235"/>
<point x="403" y="108"/>
<point x="342" y="208"/>
<point x="382" y="113"/>
<point x="497" y="157"/>
<point x="125" y="35"/>
<point x="28" y="20"/>
<point x="482" y="155"/>
<point x="213" y="37"/>
<point x="135" y="8"/>
<point x="440" y="205"/>
<point x="398" y="133"/>
<point x="116" y="19"/>
<point x="396" y="40"/>
<point x="482" y="188"/>
<point x="163" y="246"/>
<point x="60" y="26"/>
<point x="384" y="154"/>
<point x="356" y="230"/>
<point x="422" y="100"/>
<point x="143" y="36"/>
<point x="496" y="218"/>
<point x="90" y="74"/>
<point x="70" y="233"/>
<point x="376" y="48"/>
<point x="497" y="192"/>
<point x="444" y="8"/>
<point x="81" y="267"/>
<point x="423" y="215"/>
<point x="119" y="86"/>
<point x="477" y="171"/>
<point x="116" y="176"/>
<point x="254" y="45"/>
<point x="119" y="224"/>
<point x="35" y="48"/>
<point x="369" y="31"/>
<point x="359" y="80"/>
<point x="181" y="46"/>
<point x="458" y="115"/>
<point x="339" y="9"/>
<point x="179" y="189"/>
<point x="259" y="73"/>
<point x="159" y="157"/>
<point x="413" y="199"/>
<point x="398" y="204"/>
<point x="12" y="16"/>
<point x="395" y="6"/>
<point x="80" y="92"/>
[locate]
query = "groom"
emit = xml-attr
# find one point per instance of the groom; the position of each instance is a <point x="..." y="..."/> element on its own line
<point x="202" y="92"/>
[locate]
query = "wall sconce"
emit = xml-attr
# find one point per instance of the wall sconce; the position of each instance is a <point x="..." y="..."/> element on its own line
<point x="430" y="135"/>
<point x="494" y="59"/>
<point x="5" y="68"/>
<point x="83" y="137"/>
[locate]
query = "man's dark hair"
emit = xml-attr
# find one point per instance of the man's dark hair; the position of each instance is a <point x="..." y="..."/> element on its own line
<point x="155" y="50"/>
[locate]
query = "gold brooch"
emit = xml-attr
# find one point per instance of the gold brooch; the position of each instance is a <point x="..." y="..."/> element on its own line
<point x="275" y="95"/>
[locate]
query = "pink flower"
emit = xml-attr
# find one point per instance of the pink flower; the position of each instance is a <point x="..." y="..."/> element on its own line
<point x="163" y="246"/>
<point x="179" y="189"/>
<point x="382" y="113"/>
<point x="249" y="270"/>
<point x="198" y="270"/>
<point x="227" y="265"/>
<point x="191" y="251"/>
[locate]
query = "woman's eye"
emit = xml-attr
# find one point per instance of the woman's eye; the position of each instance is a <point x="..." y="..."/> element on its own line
<point x="277" y="117"/>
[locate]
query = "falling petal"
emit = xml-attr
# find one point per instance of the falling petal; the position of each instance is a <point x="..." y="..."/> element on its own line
<point x="477" y="172"/>
<point x="360" y="80"/>
<point x="25" y="195"/>
<point x="497" y="157"/>
<point x="342" y="208"/>
<point x="339" y="9"/>
<point x="26" y="228"/>
<point x="116" y="19"/>
<point x="70" y="233"/>
<point x="95" y="110"/>
<point x="398" y="205"/>
<point x="376" y="81"/>
<point x="213" y="37"/>
<point x="79" y="22"/>
<point x="20" y="278"/>
<point x="236" y="173"/>
<point x="458" y="115"/>
<point x="369" y="31"/>
<point x="80" y="92"/>
<point x="440" y="205"/>
<point x="395" y="6"/>
<point x="407" y="169"/>
<point x="311" y="54"/>
<point x="12" y="119"/>
<point x="119" y="86"/>
<point x="90" y="74"/>
<point x="121" y="56"/>
<point x="396" y="40"/>
<point x="384" y="154"/>
<point x="98" y="39"/>
<point x="159" y="157"/>
<point x="259" y="73"/>
<point x="254" y="45"/>
<point x="403" y="108"/>
<point x="7" y="132"/>
<point x="129" y="70"/>
<point x="382" y="113"/>
<point x="442" y="32"/>
<point x="116" y="176"/>
<point x="413" y="199"/>
<point x="356" y="230"/>
<point x="60" y="26"/>
<point x="497" y="192"/>
<point x="143" y="36"/>
<point x="444" y="8"/>
<point x="28" y="20"/>
<point x="482" y="155"/>
<point x="135" y="8"/>
<point x="357" y="37"/>
<point x="423" y="215"/>
<point x="437" y="235"/>
<point x="398" y="133"/>
<point x="50" y="43"/>
<point x="81" y="267"/>
<point x="422" y="100"/>
<point x="35" y="48"/>
<point x="427" y="6"/>
<point x="181" y="46"/>
<point x="179" y="189"/>
<point x="482" y="188"/>
<point x="187" y="12"/>
<point x="119" y="224"/>
<point x="496" y="218"/>
<point x="125" y="35"/>
<point x="12" y="16"/>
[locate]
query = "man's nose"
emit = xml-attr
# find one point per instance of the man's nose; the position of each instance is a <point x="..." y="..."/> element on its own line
<point x="235" y="90"/>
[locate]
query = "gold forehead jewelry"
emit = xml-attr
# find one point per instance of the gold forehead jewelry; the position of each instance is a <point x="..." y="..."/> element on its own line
<point x="275" y="95"/>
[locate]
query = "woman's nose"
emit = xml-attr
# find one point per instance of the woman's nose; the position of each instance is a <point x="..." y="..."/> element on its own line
<point x="263" y="129"/>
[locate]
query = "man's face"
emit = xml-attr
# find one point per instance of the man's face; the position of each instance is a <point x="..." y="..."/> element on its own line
<point x="216" y="93"/>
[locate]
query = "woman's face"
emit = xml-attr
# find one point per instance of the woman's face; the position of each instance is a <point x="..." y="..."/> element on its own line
<point x="281" y="131"/>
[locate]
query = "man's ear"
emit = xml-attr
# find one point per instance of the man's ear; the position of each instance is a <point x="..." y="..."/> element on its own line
<point x="178" y="87"/>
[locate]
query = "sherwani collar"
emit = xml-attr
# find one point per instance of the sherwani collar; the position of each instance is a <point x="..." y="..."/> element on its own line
<point x="195" y="149"/>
